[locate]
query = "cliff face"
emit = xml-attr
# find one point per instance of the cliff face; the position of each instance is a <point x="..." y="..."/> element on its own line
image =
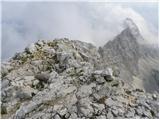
<point x="135" y="58"/>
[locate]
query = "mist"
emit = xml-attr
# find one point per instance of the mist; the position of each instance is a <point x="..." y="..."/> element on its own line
<point x="27" y="22"/>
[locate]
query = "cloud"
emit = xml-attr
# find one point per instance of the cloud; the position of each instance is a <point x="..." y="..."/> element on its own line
<point x="97" y="23"/>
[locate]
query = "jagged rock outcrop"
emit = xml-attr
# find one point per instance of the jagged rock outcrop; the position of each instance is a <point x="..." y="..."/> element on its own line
<point x="137" y="60"/>
<point x="63" y="79"/>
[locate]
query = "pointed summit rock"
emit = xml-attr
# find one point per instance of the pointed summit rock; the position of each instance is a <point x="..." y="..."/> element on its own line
<point x="133" y="29"/>
<point x="129" y="24"/>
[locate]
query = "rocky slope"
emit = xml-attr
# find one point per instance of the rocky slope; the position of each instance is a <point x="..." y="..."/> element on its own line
<point x="137" y="60"/>
<point x="65" y="79"/>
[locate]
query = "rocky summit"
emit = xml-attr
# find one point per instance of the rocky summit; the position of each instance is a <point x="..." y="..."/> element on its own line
<point x="70" y="79"/>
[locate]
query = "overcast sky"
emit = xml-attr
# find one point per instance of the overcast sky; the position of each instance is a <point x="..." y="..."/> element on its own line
<point x="27" y="22"/>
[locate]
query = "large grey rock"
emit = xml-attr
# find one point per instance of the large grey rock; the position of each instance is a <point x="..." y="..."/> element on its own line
<point x="42" y="77"/>
<point x="25" y="93"/>
<point x="25" y="109"/>
<point x="107" y="74"/>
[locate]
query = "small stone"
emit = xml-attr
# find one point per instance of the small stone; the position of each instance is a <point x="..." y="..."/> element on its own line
<point x="121" y="99"/>
<point x="115" y="83"/>
<point x="116" y="73"/>
<point x="139" y="90"/>
<point x="71" y="100"/>
<point x="31" y="48"/>
<point x="57" y="116"/>
<point x="67" y="115"/>
<point x="154" y="96"/>
<point x="98" y="108"/>
<point x="35" y="82"/>
<point x="36" y="62"/>
<point x="147" y="113"/>
<point x="84" y="56"/>
<point x="110" y="115"/>
<point x="143" y="102"/>
<point x="73" y="116"/>
<point x="28" y="78"/>
<point x="101" y="117"/>
<point x="85" y="90"/>
<point x="57" y="107"/>
<point x="139" y="110"/>
<point x="3" y="109"/>
<point x="63" y="57"/>
<point x="4" y="83"/>
<point x="63" y="112"/>
<point x="85" y="107"/>
<point x="109" y="102"/>
<point x="49" y="51"/>
<point x="100" y="80"/>
<point x="107" y="74"/>
<point x="40" y="43"/>
<point x="97" y="72"/>
<point x="68" y="90"/>
<point x="128" y="91"/>
<point x="115" y="112"/>
<point x="96" y="96"/>
<point x="53" y="77"/>
<point x="130" y="114"/>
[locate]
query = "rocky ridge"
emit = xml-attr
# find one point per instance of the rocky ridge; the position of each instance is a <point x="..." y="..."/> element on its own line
<point x="64" y="79"/>
<point x="137" y="60"/>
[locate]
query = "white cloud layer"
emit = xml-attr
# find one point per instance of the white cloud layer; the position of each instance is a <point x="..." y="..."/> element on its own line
<point x="23" y="23"/>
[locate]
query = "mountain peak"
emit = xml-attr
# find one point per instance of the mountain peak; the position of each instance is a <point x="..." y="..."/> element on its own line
<point x="130" y="25"/>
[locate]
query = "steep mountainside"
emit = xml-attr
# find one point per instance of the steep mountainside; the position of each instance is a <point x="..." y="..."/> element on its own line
<point x="137" y="60"/>
<point x="66" y="79"/>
